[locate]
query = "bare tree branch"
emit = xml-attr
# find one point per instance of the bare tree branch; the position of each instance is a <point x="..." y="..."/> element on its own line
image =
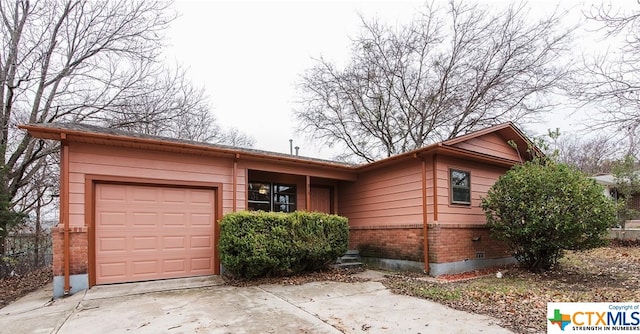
<point x="448" y="72"/>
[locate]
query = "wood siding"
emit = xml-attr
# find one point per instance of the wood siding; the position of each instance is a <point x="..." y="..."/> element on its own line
<point x="483" y="176"/>
<point x="105" y="160"/>
<point x="490" y="144"/>
<point x="384" y="197"/>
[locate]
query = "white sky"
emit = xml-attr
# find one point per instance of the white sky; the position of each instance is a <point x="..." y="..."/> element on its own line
<point x="249" y="54"/>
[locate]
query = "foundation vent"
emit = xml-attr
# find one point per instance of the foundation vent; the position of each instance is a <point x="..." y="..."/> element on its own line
<point x="479" y="255"/>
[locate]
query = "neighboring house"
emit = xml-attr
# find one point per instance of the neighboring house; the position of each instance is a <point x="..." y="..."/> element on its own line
<point x="136" y="207"/>
<point x="608" y="181"/>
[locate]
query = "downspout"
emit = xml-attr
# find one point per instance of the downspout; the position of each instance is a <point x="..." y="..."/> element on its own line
<point x="425" y="216"/>
<point x="308" y="193"/>
<point x="435" y="188"/>
<point x="235" y="182"/>
<point x="64" y="210"/>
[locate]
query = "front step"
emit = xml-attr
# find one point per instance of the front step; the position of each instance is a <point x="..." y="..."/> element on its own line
<point x="350" y="259"/>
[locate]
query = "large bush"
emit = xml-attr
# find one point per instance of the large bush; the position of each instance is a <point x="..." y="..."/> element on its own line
<point x="273" y="244"/>
<point x="541" y="208"/>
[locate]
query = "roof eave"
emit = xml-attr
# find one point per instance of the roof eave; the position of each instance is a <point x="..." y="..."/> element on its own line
<point x="78" y="135"/>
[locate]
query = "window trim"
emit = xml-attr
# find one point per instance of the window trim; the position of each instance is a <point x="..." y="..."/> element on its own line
<point x="451" y="187"/>
<point x="292" y="206"/>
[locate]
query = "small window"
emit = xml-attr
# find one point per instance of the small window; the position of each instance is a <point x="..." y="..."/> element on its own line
<point x="460" y="187"/>
<point x="267" y="196"/>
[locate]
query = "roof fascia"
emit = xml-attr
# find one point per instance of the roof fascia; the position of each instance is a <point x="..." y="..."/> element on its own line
<point x="80" y="136"/>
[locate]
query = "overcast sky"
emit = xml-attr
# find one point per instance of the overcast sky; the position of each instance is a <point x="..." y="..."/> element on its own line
<point x="248" y="56"/>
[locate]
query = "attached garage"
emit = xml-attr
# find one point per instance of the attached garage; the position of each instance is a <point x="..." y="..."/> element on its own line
<point x="146" y="232"/>
<point x="136" y="208"/>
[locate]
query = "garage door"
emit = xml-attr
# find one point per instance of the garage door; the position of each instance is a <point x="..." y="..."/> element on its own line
<point x="147" y="232"/>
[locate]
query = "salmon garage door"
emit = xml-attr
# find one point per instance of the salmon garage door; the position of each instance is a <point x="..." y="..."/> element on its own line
<point x="148" y="232"/>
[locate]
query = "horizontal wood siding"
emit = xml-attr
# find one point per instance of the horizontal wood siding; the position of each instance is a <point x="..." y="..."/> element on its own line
<point x="491" y="144"/>
<point x="483" y="176"/>
<point x="384" y="197"/>
<point x="105" y="160"/>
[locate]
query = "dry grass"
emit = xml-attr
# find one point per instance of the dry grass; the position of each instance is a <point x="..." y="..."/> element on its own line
<point x="519" y="299"/>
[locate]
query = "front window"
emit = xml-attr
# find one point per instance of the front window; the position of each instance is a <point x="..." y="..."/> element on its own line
<point x="460" y="187"/>
<point x="268" y="196"/>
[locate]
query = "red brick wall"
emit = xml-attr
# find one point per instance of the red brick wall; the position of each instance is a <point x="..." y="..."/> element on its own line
<point x="455" y="242"/>
<point x="79" y="251"/>
<point x="447" y="242"/>
<point x="390" y="242"/>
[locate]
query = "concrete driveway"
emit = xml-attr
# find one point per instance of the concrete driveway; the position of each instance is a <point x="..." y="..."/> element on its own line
<point x="206" y="305"/>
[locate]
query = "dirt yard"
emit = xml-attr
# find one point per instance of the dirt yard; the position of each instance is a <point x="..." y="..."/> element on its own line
<point x="519" y="299"/>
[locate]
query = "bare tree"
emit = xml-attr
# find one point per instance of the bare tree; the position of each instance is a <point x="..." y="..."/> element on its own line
<point x="448" y="72"/>
<point x="171" y="106"/>
<point x="611" y="79"/>
<point x="84" y="61"/>
<point x="234" y="137"/>
<point x="590" y="155"/>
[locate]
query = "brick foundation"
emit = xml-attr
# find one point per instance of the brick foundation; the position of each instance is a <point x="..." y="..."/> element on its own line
<point x="390" y="242"/>
<point x="447" y="242"/>
<point x="461" y="242"/>
<point x="78" y="252"/>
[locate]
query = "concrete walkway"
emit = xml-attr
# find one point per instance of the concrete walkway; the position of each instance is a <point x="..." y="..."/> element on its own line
<point x="205" y="305"/>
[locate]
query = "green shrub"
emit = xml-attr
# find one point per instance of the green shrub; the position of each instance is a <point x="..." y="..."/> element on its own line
<point x="274" y="244"/>
<point x="542" y="208"/>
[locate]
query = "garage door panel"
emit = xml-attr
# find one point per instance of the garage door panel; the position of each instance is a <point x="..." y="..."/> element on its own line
<point x="140" y="195"/>
<point x="201" y="264"/>
<point x="111" y="194"/>
<point x="113" y="218"/>
<point x="198" y="219"/>
<point x="112" y="271"/>
<point x="174" y="243"/>
<point x="174" y="265"/>
<point x="153" y="232"/>
<point x="176" y="219"/>
<point x="145" y="243"/>
<point x="144" y="218"/>
<point x="174" y="196"/>
<point x="201" y="197"/>
<point x="201" y="241"/>
<point x="144" y="267"/>
<point x="107" y="244"/>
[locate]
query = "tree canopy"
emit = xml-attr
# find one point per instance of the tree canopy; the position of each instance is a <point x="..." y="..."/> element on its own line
<point x="609" y="81"/>
<point x="87" y="61"/>
<point x="450" y="71"/>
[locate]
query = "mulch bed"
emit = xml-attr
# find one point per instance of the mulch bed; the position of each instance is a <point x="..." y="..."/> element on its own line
<point x="332" y="274"/>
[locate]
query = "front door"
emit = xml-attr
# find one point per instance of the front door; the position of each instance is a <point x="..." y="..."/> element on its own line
<point x="321" y="199"/>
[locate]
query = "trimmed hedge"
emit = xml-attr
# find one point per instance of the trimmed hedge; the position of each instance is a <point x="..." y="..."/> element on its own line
<point x="260" y="243"/>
